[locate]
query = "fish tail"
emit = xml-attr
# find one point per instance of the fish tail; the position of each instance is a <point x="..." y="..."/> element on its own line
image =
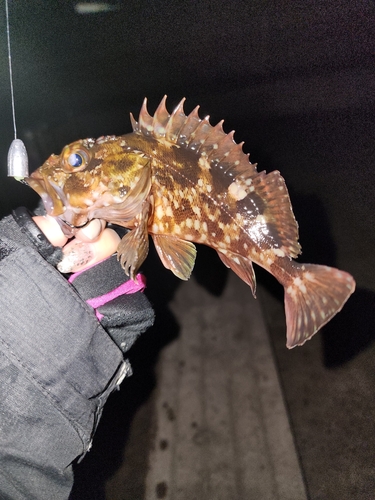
<point x="312" y="297"/>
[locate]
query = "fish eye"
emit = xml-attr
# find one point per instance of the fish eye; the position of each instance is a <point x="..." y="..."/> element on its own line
<point x="75" y="158"/>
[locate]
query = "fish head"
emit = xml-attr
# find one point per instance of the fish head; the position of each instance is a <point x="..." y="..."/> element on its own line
<point x="92" y="179"/>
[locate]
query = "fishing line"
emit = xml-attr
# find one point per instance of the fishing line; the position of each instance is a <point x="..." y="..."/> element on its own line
<point x="10" y="68"/>
<point x="18" y="164"/>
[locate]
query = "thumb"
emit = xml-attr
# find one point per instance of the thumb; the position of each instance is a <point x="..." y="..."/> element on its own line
<point x="79" y="255"/>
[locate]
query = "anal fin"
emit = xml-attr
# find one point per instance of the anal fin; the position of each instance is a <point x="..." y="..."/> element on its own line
<point x="242" y="266"/>
<point x="176" y="254"/>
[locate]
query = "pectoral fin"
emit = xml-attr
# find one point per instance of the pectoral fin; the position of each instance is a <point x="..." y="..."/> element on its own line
<point x="176" y="254"/>
<point x="241" y="266"/>
<point x="133" y="247"/>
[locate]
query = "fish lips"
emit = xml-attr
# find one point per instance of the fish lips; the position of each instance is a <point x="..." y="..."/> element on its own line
<point x="56" y="204"/>
<point x="53" y="197"/>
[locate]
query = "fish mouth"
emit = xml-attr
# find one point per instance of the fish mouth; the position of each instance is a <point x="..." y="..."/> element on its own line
<point x="53" y="202"/>
<point x="57" y="204"/>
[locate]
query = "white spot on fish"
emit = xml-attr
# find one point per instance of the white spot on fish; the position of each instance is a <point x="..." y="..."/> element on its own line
<point x="299" y="284"/>
<point x="236" y="191"/>
<point x="204" y="163"/>
<point x="261" y="219"/>
<point x="278" y="252"/>
<point x="189" y="223"/>
<point x="222" y="245"/>
<point x="169" y="211"/>
<point x="196" y="210"/>
<point x="197" y="225"/>
<point x="159" y="212"/>
<point x="308" y="276"/>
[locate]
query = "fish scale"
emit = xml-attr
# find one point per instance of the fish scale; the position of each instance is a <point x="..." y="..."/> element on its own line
<point x="181" y="180"/>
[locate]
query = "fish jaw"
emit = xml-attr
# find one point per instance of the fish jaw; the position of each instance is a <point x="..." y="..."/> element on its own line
<point x="57" y="205"/>
<point x="52" y="201"/>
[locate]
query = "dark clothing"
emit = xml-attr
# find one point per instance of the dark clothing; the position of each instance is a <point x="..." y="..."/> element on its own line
<point x="58" y="365"/>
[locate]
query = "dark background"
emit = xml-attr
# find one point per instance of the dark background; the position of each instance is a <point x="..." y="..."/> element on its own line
<point x="295" y="79"/>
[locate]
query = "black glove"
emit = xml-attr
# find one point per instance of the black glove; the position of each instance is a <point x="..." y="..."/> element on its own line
<point x="119" y="305"/>
<point x="124" y="312"/>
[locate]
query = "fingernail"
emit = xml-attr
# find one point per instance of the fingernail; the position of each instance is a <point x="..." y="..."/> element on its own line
<point x="91" y="231"/>
<point x="77" y="255"/>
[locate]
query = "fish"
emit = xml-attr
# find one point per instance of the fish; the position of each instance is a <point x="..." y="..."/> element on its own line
<point x="183" y="181"/>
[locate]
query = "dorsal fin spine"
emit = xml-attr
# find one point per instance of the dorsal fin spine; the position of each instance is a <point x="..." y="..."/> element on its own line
<point x="191" y="123"/>
<point x="175" y="123"/>
<point x="145" y="120"/>
<point x="160" y="119"/>
<point x="196" y="134"/>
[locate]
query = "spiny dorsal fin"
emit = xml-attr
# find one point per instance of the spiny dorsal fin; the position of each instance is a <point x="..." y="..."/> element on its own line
<point x="196" y="134"/>
<point x="224" y="155"/>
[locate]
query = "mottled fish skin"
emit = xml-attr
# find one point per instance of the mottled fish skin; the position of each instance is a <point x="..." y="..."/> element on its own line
<point x="184" y="181"/>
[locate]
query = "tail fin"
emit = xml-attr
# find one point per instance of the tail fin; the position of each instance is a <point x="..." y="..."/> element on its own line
<point x="316" y="294"/>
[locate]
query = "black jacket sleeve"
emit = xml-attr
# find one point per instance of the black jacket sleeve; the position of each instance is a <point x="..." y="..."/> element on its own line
<point x="57" y="367"/>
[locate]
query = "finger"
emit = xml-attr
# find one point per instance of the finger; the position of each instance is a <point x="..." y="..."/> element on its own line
<point x="79" y="255"/>
<point x="91" y="231"/>
<point x="51" y="229"/>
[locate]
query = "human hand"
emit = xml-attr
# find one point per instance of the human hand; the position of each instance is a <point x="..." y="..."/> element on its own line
<point x="123" y="312"/>
<point x="90" y="245"/>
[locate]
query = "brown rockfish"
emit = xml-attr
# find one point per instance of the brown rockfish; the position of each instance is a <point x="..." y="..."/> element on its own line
<point x="183" y="180"/>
